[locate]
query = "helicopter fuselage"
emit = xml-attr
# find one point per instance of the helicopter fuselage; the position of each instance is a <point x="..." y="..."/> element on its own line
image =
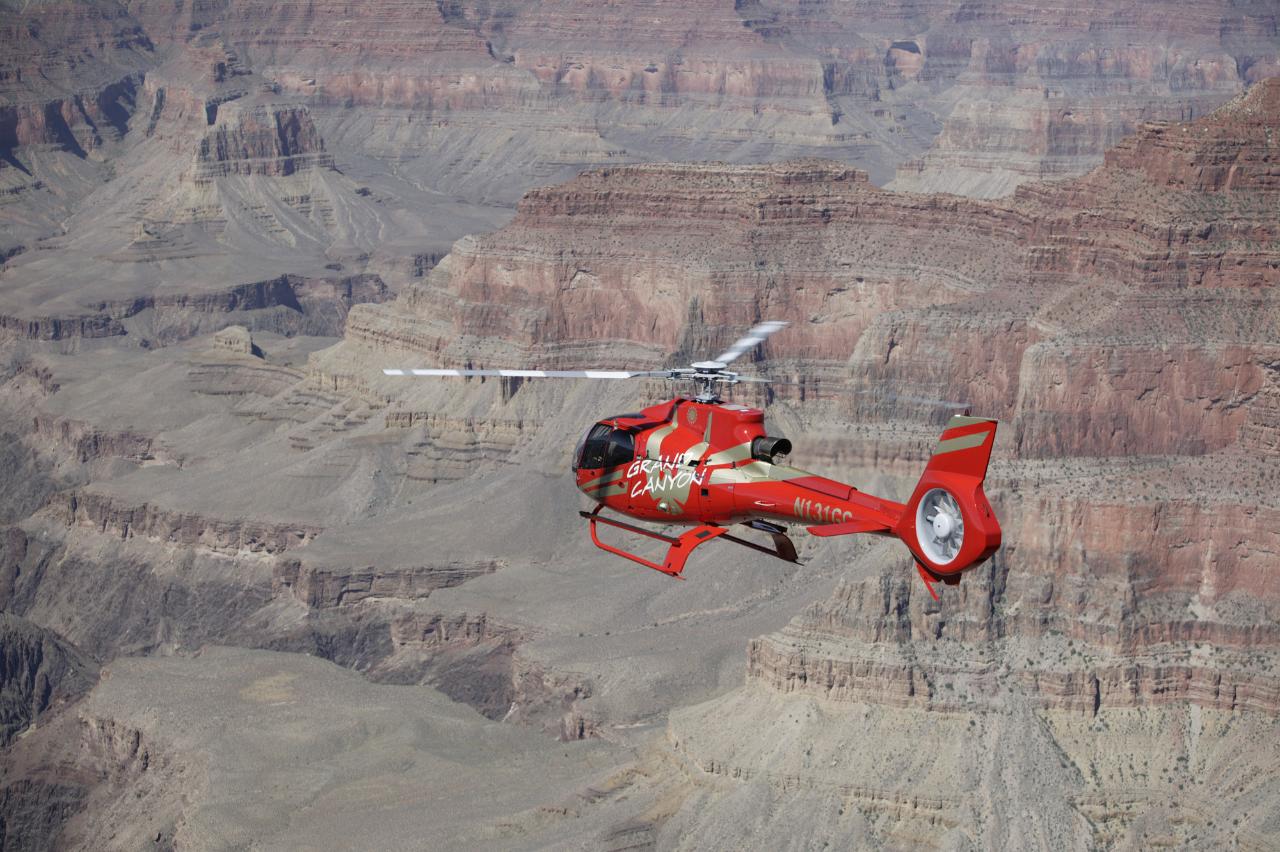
<point x="697" y="462"/>
<point x="712" y="464"/>
<point x="709" y="464"/>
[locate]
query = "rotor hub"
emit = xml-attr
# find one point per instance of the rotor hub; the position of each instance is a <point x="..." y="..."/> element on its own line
<point x="942" y="525"/>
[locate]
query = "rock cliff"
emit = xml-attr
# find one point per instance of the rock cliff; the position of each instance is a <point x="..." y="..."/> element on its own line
<point x="38" y="673"/>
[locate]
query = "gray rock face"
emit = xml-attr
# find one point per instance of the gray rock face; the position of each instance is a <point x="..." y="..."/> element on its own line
<point x="32" y="814"/>
<point x="236" y="338"/>
<point x="38" y="672"/>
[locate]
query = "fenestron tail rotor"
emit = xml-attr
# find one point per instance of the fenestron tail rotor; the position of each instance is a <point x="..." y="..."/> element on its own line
<point x="708" y="375"/>
<point x="940" y="526"/>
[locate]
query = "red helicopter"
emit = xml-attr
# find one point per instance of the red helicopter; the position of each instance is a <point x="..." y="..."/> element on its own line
<point x="709" y="464"/>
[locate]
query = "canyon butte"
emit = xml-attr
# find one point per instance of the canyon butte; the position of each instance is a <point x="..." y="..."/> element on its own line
<point x="253" y="593"/>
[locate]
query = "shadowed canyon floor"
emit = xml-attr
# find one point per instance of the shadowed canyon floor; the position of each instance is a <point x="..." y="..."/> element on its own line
<point x="254" y="592"/>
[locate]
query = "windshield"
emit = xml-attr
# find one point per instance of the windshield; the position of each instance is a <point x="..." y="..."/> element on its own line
<point x="604" y="446"/>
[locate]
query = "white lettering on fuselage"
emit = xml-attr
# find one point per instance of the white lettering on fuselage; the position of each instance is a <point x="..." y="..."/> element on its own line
<point x="662" y="474"/>
<point x="811" y="511"/>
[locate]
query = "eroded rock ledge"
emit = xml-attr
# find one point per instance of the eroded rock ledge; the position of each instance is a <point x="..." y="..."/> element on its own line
<point x="880" y="642"/>
<point x="326" y="587"/>
<point x="110" y="515"/>
<point x="311" y="305"/>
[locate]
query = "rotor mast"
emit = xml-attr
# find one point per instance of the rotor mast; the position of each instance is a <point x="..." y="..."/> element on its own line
<point x="708" y="376"/>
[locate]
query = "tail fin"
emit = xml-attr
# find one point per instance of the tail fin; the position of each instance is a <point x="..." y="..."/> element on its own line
<point x="948" y="523"/>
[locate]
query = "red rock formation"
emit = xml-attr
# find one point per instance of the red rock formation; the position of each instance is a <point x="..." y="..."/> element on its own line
<point x="619" y="251"/>
<point x="1067" y="306"/>
<point x="68" y="74"/>
<point x="275" y="140"/>
<point x="1234" y="152"/>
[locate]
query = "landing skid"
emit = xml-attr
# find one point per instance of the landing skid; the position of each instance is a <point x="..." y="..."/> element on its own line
<point x="679" y="548"/>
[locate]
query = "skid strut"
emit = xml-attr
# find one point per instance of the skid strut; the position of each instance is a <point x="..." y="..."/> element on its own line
<point x="679" y="548"/>
<point x="930" y="578"/>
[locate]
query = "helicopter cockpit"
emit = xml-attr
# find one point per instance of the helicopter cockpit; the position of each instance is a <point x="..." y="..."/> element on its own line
<point x="604" y="446"/>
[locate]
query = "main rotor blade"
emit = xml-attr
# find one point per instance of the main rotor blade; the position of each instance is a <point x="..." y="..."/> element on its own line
<point x="533" y="374"/>
<point x="754" y="338"/>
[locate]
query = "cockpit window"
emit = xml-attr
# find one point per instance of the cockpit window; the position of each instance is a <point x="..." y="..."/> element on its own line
<point x="622" y="448"/>
<point x="605" y="446"/>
